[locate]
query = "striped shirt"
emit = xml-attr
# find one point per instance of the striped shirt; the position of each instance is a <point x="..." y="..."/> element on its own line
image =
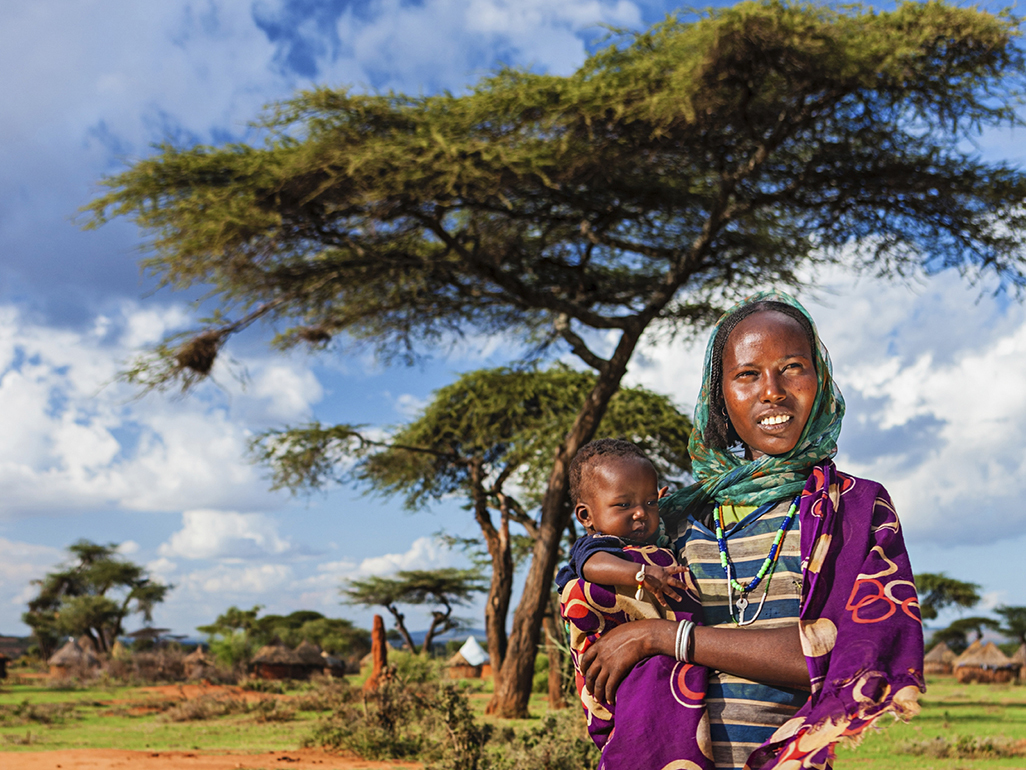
<point x="743" y="714"/>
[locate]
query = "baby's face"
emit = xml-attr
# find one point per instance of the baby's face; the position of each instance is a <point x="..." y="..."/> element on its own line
<point x="621" y="498"/>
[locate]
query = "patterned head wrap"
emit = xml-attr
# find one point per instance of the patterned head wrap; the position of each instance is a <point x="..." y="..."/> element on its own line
<point x="723" y="476"/>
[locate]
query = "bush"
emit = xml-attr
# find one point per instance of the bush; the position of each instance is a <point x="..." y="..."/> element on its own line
<point x="35" y="713"/>
<point x="328" y="697"/>
<point x="273" y="710"/>
<point x="204" y="707"/>
<point x="559" y="742"/>
<point x="385" y="726"/>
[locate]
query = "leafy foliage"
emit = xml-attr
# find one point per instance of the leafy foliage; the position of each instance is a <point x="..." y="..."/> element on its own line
<point x="236" y="634"/>
<point x="956" y="636"/>
<point x="92" y="595"/>
<point x="1013" y="622"/>
<point x="937" y="591"/>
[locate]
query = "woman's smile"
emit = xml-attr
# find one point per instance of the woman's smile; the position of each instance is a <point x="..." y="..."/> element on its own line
<point x="769" y="382"/>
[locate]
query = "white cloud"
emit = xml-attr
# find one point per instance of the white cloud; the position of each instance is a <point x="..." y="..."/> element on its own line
<point x="230" y="582"/>
<point x="210" y="534"/>
<point x="21" y="563"/>
<point x="424" y="553"/>
<point x="71" y="437"/>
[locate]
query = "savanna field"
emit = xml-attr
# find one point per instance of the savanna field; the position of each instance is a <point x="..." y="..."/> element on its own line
<point x="425" y="723"/>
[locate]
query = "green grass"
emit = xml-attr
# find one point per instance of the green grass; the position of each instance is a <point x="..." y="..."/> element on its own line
<point x="101" y="718"/>
<point x="951" y="711"/>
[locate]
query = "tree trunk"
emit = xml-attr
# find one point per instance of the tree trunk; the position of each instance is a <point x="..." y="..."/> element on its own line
<point x="501" y="586"/>
<point x="513" y="691"/>
<point x="553" y="633"/>
<point x="401" y="627"/>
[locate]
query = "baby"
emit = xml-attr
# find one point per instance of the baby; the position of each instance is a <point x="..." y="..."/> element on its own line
<point x="620" y="572"/>
<point x="614" y="490"/>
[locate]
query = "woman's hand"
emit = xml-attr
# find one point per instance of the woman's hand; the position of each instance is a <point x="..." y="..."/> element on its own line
<point x="606" y="662"/>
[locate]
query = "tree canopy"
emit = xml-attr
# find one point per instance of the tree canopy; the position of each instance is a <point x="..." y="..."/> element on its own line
<point x="1013" y="623"/>
<point x="677" y="169"/>
<point x="235" y="634"/>
<point x="91" y="595"/>
<point x="938" y="591"/>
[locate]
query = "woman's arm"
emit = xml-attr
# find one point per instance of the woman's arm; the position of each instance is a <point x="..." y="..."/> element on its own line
<point x="772" y="656"/>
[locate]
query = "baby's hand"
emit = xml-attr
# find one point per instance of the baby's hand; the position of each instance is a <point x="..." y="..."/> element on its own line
<point x="661" y="582"/>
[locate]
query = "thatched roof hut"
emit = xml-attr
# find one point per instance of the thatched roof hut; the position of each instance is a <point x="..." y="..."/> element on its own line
<point x="985" y="664"/>
<point x="310" y="654"/>
<point x="468" y="661"/>
<point x="276" y="661"/>
<point x="939" y="659"/>
<point x="72" y="659"/>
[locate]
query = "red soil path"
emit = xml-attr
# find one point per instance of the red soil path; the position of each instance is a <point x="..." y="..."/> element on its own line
<point x="114" y="759"/>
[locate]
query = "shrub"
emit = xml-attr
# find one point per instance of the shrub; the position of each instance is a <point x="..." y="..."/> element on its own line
<point x="36" y="713"/>
<point x="385" y="726"/>
<point x="559" y="742"/>
<point x="273" y="710"/>
<point x="204" y="707"/>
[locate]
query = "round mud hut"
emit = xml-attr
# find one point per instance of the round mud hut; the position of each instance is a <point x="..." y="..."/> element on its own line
<point x="73" y="659"/>
<point x="985" y="664"/>
<point x="276" y="661"/>
<point x="468" y="661"/>
<point x="939" y="660"/>
<point x="311" y="656"/>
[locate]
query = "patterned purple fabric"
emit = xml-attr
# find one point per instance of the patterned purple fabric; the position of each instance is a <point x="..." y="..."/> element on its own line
<point x="860" y="629"/>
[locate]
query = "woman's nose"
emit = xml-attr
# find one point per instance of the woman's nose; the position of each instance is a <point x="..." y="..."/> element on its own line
<point x="773" y="389"/>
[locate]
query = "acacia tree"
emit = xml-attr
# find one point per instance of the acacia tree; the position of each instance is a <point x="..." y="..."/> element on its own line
<point x="483" y="434"/>
<point x="937" y="591"/>
<point x="92" y="595"/>
<point x="675" y="170"/>
<point x="446" y="587"/>
<point x="1013" y="622"/>
<point x="956" y="636"/>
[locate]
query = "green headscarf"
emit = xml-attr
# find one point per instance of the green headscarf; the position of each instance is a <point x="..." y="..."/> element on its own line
<point x="723" y="476"/>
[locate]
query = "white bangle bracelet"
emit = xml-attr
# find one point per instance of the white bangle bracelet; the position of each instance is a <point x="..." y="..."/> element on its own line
<point x="684" y="630"/>
<point x="640" y="578"/>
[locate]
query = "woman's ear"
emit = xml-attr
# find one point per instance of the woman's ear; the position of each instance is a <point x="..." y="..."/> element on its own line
<point x="663" y="492"/>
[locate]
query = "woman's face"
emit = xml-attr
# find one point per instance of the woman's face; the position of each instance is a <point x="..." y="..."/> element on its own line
<point x="769" y="382"/>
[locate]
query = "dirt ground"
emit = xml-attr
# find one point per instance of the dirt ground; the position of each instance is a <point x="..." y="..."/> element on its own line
<point x="113" y="759"/>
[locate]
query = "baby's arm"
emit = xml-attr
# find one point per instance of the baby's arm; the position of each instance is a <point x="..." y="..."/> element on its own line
<point x="606" y="569"/>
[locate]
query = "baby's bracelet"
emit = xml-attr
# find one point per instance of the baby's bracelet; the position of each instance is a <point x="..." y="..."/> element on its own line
<point x="640" y="577"/>
<point x="683" y="637"/>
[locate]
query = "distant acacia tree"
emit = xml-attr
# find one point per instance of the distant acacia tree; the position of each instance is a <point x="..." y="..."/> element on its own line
<point x="938" y="591"/>
<point x="677" y="169"/>
<point x="487" y="434"/>
<point x="443" y="588"/>
<point x="956" y="636"/>
<point x="1013" y="622"/>
<point x="91" y="595"/>
<point x="236" y="634"/>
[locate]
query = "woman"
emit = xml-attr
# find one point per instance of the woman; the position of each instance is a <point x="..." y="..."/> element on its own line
<point x="811" y="622"/>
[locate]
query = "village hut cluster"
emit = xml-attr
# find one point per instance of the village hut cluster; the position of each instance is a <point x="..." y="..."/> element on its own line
<point x="979" y="663"/>
<point x="79" y="658"/>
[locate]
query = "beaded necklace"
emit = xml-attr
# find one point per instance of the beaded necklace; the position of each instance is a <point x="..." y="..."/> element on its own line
<point x="768" y="566"/>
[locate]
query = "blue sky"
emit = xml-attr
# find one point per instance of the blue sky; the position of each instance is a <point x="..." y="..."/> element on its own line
<point x="933" y="371"/>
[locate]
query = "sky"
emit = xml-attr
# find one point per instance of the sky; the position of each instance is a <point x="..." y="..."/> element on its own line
<point x="933" y="370"/>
